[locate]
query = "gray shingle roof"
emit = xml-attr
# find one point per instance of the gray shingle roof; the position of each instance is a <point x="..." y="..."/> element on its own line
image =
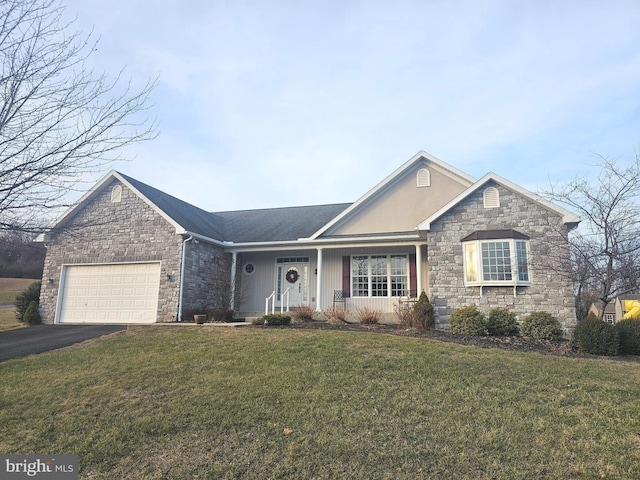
<point x="261" y="225"/>
<point x="277" y="224"/>
<point x="190" y="217"/>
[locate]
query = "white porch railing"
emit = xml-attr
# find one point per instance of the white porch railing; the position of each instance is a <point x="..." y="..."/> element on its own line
<point x="286" y="293"/>
<point x="271" y="297"/>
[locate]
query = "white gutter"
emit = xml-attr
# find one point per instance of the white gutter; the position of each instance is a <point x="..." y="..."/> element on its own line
<point x="304" y="243"/>
<point x="182" y="262"/>
<point x="210" y="240"/>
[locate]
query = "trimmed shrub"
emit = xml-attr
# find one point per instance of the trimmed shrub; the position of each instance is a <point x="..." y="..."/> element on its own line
<point x="368" y="316"/>
<point x="276" y="319"/>
<point x="541" y="325"/>
<point x="24" y="299"/>
<point x="629" y="334"/>
<point x="423" y="317"/>
<point x="468" y="321"/>
<point x="594" y="336"/>
<point x="502" y="322"/>
<point x="32" y="315"/>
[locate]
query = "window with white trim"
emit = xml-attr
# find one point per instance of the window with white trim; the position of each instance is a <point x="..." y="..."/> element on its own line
<point x="379" y="275"/>
<point x="498" y="257"/>
<point x="610" y="318"/>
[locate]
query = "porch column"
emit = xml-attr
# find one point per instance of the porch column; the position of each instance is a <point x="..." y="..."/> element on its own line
<point x="232" y="297"/>
<point x="418" y="269"/>
<point x="319" y="282"/>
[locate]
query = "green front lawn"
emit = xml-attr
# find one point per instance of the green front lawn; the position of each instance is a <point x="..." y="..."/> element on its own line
<point x="167" y="402"/>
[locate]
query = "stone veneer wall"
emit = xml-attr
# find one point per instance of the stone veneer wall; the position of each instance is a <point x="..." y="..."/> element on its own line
<point x="548" y="291"/>
<point x="207" y="276"/>
<point x="108" y="232"/>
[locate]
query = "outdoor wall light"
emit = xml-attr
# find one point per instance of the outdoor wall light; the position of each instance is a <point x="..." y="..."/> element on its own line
<point x="51" y="280"/>
<point x="169" y="277"/>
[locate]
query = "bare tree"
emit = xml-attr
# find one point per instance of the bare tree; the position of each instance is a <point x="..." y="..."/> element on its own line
<point x="20" y="257"/>
<point x="59" y="119"/>
<point x="605" y="248"/>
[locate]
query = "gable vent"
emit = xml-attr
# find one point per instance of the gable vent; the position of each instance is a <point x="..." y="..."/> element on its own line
<point x="116" y="194"/>
<point x="491" y="197"/>
<point x="424" y="178"/>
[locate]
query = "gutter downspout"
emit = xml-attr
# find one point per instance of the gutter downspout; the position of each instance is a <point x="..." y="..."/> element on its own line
<point x="182" y="262"/>
<point x="234" y="266"/>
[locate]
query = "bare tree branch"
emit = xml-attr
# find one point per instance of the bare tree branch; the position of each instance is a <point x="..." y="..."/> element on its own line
<point x="59" y="119"/>
<point x="605" y="250"/>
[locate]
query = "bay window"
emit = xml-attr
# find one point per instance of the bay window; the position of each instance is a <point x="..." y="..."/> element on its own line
<point x="379" y="276"/>
<point x="496" y="257"/>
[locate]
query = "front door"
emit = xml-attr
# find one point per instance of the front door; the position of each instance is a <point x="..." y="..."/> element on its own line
<point x="292" y="281"/>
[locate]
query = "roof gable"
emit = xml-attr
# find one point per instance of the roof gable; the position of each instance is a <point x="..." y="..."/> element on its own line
<point x="184" y="217"/>
<point x="262" y="225"/>
<point x="385" y="204"/>
<point x="570" y="219"/>
<point x="387" y="195"/>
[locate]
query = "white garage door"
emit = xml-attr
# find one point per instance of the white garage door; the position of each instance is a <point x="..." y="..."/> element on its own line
<point x="113" y="293"/>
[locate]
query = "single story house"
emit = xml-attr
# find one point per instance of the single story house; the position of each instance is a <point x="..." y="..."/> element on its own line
<point x="623" y="306"/>
<point x="129" y="253"/>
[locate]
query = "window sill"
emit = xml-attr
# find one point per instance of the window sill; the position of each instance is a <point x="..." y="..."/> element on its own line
<point x="515" y="286"/>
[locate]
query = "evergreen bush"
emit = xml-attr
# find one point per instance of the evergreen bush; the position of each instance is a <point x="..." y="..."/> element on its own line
<point x="502" y="322"/>
<point x="541" y="325"/>
<point x="32" y="315"/>
<point x="276" y="319"/>
<point x="423" y="317"/>
<point x="24" y="299"/>
<point x="594" y="336"/>
<point x="629" y="334"/>
<point x="469" y="321"/>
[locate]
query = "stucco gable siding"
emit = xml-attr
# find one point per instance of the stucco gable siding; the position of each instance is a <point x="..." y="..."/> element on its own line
<point x="549" y="291"/>
<point x="402" y="204"/>
<point x="102" y="231"/>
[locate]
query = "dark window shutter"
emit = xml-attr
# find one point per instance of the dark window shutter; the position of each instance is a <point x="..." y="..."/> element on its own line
<point x="413" y="277"/>
<point x="346" y="276"/>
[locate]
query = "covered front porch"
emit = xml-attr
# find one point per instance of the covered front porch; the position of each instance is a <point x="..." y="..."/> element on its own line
<point x="371" y="275"/>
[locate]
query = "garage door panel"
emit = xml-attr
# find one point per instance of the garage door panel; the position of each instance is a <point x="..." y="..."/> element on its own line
<point x="114" y="293"/>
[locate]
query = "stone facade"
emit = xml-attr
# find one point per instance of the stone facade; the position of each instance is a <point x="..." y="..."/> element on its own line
<point x="207" y="273"/>
<point x="125" y="228"/>
<point x="114" y="232"/>
<point x="549" y="290"/>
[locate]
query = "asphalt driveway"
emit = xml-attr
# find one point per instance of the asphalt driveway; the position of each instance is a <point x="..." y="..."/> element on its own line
<point x="42" y="338"/>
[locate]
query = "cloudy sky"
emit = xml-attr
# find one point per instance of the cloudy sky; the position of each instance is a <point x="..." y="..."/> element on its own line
<point x="281" y="102"/>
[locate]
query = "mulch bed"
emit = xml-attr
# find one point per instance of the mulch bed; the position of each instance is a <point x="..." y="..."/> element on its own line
<point x="521" y="344"/>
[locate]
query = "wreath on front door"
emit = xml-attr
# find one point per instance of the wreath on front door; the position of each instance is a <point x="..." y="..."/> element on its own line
<point x="292" y="276"/>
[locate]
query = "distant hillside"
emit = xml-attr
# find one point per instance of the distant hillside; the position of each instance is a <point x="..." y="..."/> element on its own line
<point x="10" y="287"/>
